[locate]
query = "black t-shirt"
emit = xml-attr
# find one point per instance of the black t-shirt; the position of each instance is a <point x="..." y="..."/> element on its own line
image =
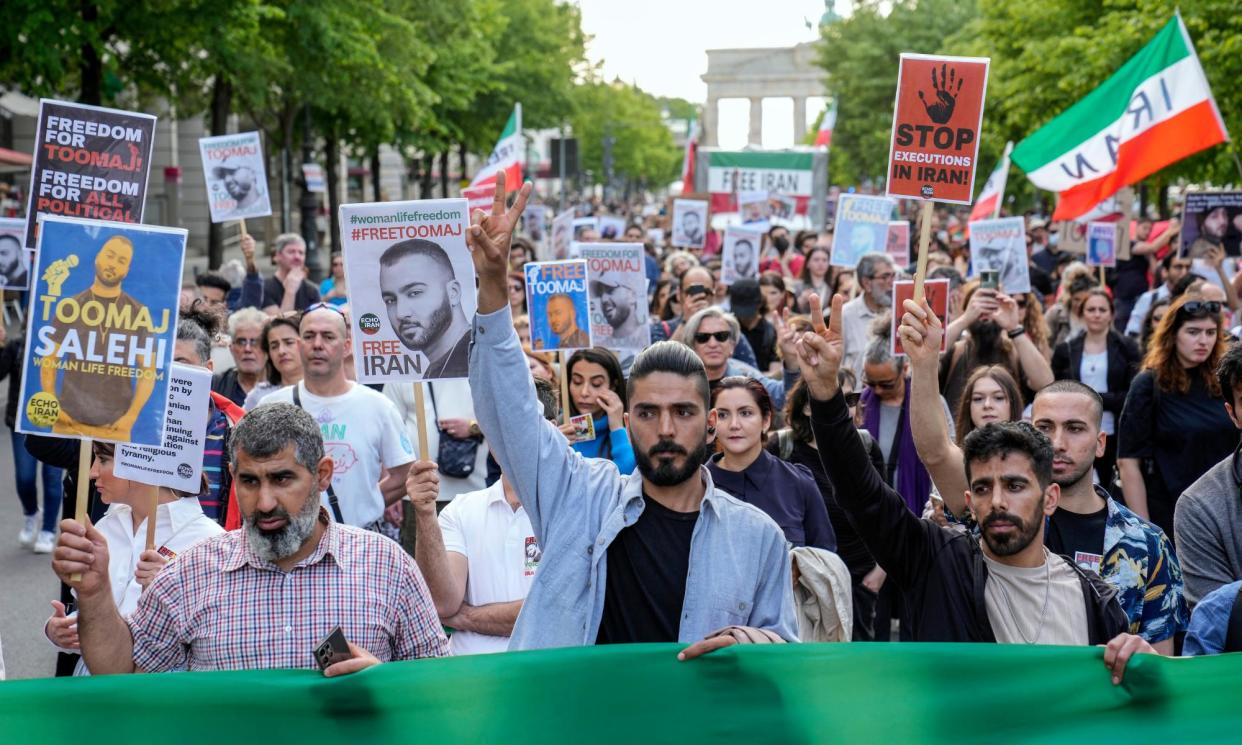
<point x="274" y="294"/>
<point x="1130" y="280"/>
<point x="647" y="567"/>
<point x="762" y="340"/>
<point x="1077" y="536"/>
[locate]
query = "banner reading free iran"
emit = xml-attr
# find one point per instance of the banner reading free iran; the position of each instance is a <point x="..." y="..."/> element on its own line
<point x="100" y="333"/>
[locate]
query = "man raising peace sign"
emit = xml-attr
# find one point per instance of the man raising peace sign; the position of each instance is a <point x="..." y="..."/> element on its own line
<point x="618" y="563"/>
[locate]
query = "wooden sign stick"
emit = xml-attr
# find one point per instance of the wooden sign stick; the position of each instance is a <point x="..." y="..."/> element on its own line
<point x="1103" y="283"/>
<point x="84" y="487"/>
<point x="565" y="387"/>
<point x="920" y="272"/>
<point x="243" y="226"/>
<point x="420" y="408"/>
<point x="154" y="498"/>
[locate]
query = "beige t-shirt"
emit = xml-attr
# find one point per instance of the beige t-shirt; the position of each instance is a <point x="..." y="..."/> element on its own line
<point x="1066" y="620"/>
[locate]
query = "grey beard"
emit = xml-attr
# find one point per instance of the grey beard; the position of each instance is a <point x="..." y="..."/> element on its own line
<point x="272" y="547"/>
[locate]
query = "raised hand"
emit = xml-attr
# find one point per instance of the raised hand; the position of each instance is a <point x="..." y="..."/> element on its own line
<point x="150" y="563"/>
<point x="946" y="90"/>
<point x="786" y="339"/>
<point x="488" y="239"/>
<point x="82" y="550"/>
<point x="422" y="486"/>
<point x="62" y="629"/>
<point x="821" y="350"/>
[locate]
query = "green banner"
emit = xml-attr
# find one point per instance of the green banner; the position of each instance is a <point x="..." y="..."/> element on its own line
<point x="924" y="693"/>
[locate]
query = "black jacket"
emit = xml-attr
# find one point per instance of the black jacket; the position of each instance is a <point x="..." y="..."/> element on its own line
<point x="1123" y="363"/>
<point x="940" y="572"/>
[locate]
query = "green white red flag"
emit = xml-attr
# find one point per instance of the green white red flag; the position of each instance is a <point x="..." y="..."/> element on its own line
<point x="507" y="156"/>
<point x="1154" y="111"/>
<point x="988" y="203"/>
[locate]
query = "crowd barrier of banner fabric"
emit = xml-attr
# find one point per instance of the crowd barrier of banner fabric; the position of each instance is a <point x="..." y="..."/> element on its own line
<point x="925" y="693"/>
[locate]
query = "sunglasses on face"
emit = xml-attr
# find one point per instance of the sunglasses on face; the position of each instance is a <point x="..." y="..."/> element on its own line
<point x="1200" y="308"/>
<point x="720" y="336"/>
<point x="1020" y="302"/>
<point x="693" y="290"/>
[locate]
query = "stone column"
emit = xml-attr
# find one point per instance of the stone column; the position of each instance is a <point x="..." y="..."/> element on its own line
<point x="707" y="128"/>
<point x="799" y="119"/>
<point x="756" y="122"/>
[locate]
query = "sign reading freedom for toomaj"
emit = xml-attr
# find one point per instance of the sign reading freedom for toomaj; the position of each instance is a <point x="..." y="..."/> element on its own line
<point x="178" y="462"/>
<point x="89" y="162"/>
<point x="411" y="289"/>
<point x="100" y="332"/>
<point x="618" y="294"/>
<point x="936" y="123"/>
<point x="556" y="295"/>
<point x="236" y="176"/>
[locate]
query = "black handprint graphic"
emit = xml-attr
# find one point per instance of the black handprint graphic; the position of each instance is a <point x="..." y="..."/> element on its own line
<point x="946" y="95"/>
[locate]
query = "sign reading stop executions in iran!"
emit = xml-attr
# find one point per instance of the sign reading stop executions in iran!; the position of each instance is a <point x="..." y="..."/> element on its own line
<point x="936" y="123"/>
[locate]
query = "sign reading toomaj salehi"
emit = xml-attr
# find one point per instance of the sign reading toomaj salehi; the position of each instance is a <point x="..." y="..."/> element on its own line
<point x="618" y="287"/>
<point x="936" y="121"/>
<point x="411" y="289"/>
<point x="90" y="162"/>
<point x="236" y="176"/>
<point x="177" y="462"/>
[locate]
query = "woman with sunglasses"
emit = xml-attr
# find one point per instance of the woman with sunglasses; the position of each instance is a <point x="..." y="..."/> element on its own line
<point x="517" y="294"/>
<point x="179" y="524"/>
<point x="279" y="341"/>
<point x="597" y="388"/>
<point x="1174" y="426"/>
<point x="786" y="492"/>
<point x="1103" y="359"/>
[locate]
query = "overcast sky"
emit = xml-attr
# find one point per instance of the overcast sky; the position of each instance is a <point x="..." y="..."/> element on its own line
<point x="662" y="46"/>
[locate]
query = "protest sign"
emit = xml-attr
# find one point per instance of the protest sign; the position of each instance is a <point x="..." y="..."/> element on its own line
<point x="1000" y="246"/>
<point x="936" y="121"/>
<point x="655" y="235"/>
<point x="535" y="224"/>
<point x="100" y="332"/>
<point x="14" y="258"/>
<point x="739" y="255"/>
<point x="89" y="162"/>
<point x="898" y="246"/>
<point x="861" y="228"/>
<point x="582" y="225"/>
<point x="562" y="236"/>
<point x="689" y="223"/>
<point x="312" y="173"/>
<point x="611" y="228"/>
<point x="556" y="298"/>
<point x="753" y="207"/>
<point x="584" y="428"/>
<point x="236" y="176"/>
<point x="1102" y="244"/>
<point x="782" y="207"/>
<point x="935" y="292"/>
<point x="799" y="176"/>
<point x="177" y="462"/>
<point x="1211" y="219"/>
<point x="411" y="289"/>
<point x="618" y="284"/>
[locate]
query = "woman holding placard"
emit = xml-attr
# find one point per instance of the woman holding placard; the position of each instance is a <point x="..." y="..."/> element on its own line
<point x="597" y="389"/>
<point x="179" y="524"/>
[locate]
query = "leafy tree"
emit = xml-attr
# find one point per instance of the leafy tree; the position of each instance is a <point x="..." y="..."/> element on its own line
<point x="643" y="151"/>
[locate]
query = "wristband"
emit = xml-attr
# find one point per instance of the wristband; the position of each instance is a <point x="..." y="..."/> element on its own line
<point x="1016" y="331"/>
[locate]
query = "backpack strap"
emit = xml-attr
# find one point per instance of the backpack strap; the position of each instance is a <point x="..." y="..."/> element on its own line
<point x="333" y="502"/>
<point x="1233" y="634"/>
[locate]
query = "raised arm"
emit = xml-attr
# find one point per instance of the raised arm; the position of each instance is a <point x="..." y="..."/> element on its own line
<point x="920" y="332"/>
<point x="1031" y="361"/>
<point x="445" y="573"/>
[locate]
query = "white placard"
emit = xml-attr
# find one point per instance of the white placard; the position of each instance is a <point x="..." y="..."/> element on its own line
<point x="178" y="463"/>
<point x="236" y="177"/>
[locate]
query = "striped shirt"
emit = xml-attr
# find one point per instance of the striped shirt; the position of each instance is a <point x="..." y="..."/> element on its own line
<point x="219" y="606"/>
<point x="213" y="461"/>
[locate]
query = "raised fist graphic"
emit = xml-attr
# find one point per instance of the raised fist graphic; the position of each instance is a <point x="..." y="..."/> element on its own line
<point x="946" y="90"/>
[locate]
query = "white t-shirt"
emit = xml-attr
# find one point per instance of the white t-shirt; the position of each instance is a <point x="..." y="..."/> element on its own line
<point x="451" y="400"/>
<point x="501" y="552"/>
<point x="1093" y="372"/>
<point x="363" y="435"/>
<point x="1015" y="601"/>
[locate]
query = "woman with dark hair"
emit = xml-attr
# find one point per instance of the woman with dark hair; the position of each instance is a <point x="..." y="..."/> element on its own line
<point x="1064" y="318"/>
<point x="1174" y="426"/>
<point x="517" y="294"/>
<point x="664" y="301"/>
<point x="597" y="388"/>
<point x="179" y="524"/>
<point x="843" y="281"/>
<point x="1159" y="307"/>
<point x="279" y="342"/>
<point x="786" y="492"/>
<point x="776" y="297"/>
<point x="1103" y="359"/>
<point x="814" y="279"/>
<point x="333" y="289"/>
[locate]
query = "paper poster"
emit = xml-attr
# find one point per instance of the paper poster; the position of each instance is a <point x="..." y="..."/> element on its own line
<point x="101" y="330"/>
<point x="1102" y="244"/>
<point x="236" y="176"/>
<point x="584" y="224"/>
<point x="312" y="173"/>
<point x="611" y="228"/>
<point x="898" y="245"/>
<point x="655" y="235"/>
<point x="562" y="236"/>
<point x="14" y="258"/>
<point x="754" y="208"/>
<point x="560" y="311"/>
<point x="1000" y="245"/>
<point x="1209" y="219"/>
<point x="937" y="116"/>
<point x="178" y="462"/>
<point x="861" y="228"/>
<point x="936" y="291"/>
<point x="782" y="207"/>
<point x="689" y="223"/>
<point x="739" y="254"/>
<point x="618" y="285"/>
<point x="584" y="428"/>
<point x="535" y="223"/>
<point x="89" y="162"/>
<point x="411" y="289"/>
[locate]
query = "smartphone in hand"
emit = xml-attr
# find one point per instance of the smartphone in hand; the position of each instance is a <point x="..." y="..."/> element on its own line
<point x="332" y="649"/>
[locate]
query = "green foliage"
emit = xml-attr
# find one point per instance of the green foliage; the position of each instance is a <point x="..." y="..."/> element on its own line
<point x="643" y="151"/>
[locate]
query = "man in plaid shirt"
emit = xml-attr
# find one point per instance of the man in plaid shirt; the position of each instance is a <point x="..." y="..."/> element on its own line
<point x="266" y="595"/>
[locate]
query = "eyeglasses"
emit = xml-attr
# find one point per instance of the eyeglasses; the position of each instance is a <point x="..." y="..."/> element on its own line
<point x="851" y="399"/>
<point x="1020" y="302"/>
<point x="720" y="336"/>
<point x="243" y="343"/>
<point x="1200" y="308"/>
<point x="881" y="385"/>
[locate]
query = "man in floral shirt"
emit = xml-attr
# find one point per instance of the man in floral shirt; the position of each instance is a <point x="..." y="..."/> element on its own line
<point x="1097" y="533"/>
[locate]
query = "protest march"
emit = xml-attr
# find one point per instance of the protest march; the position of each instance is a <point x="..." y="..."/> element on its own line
<point x="500" y="389"/>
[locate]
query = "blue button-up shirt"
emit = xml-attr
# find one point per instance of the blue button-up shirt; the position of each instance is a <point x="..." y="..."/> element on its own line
<point x="1209" y="624"/>
<point x="739" y="568"/>
<point x="786" y="492"/>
